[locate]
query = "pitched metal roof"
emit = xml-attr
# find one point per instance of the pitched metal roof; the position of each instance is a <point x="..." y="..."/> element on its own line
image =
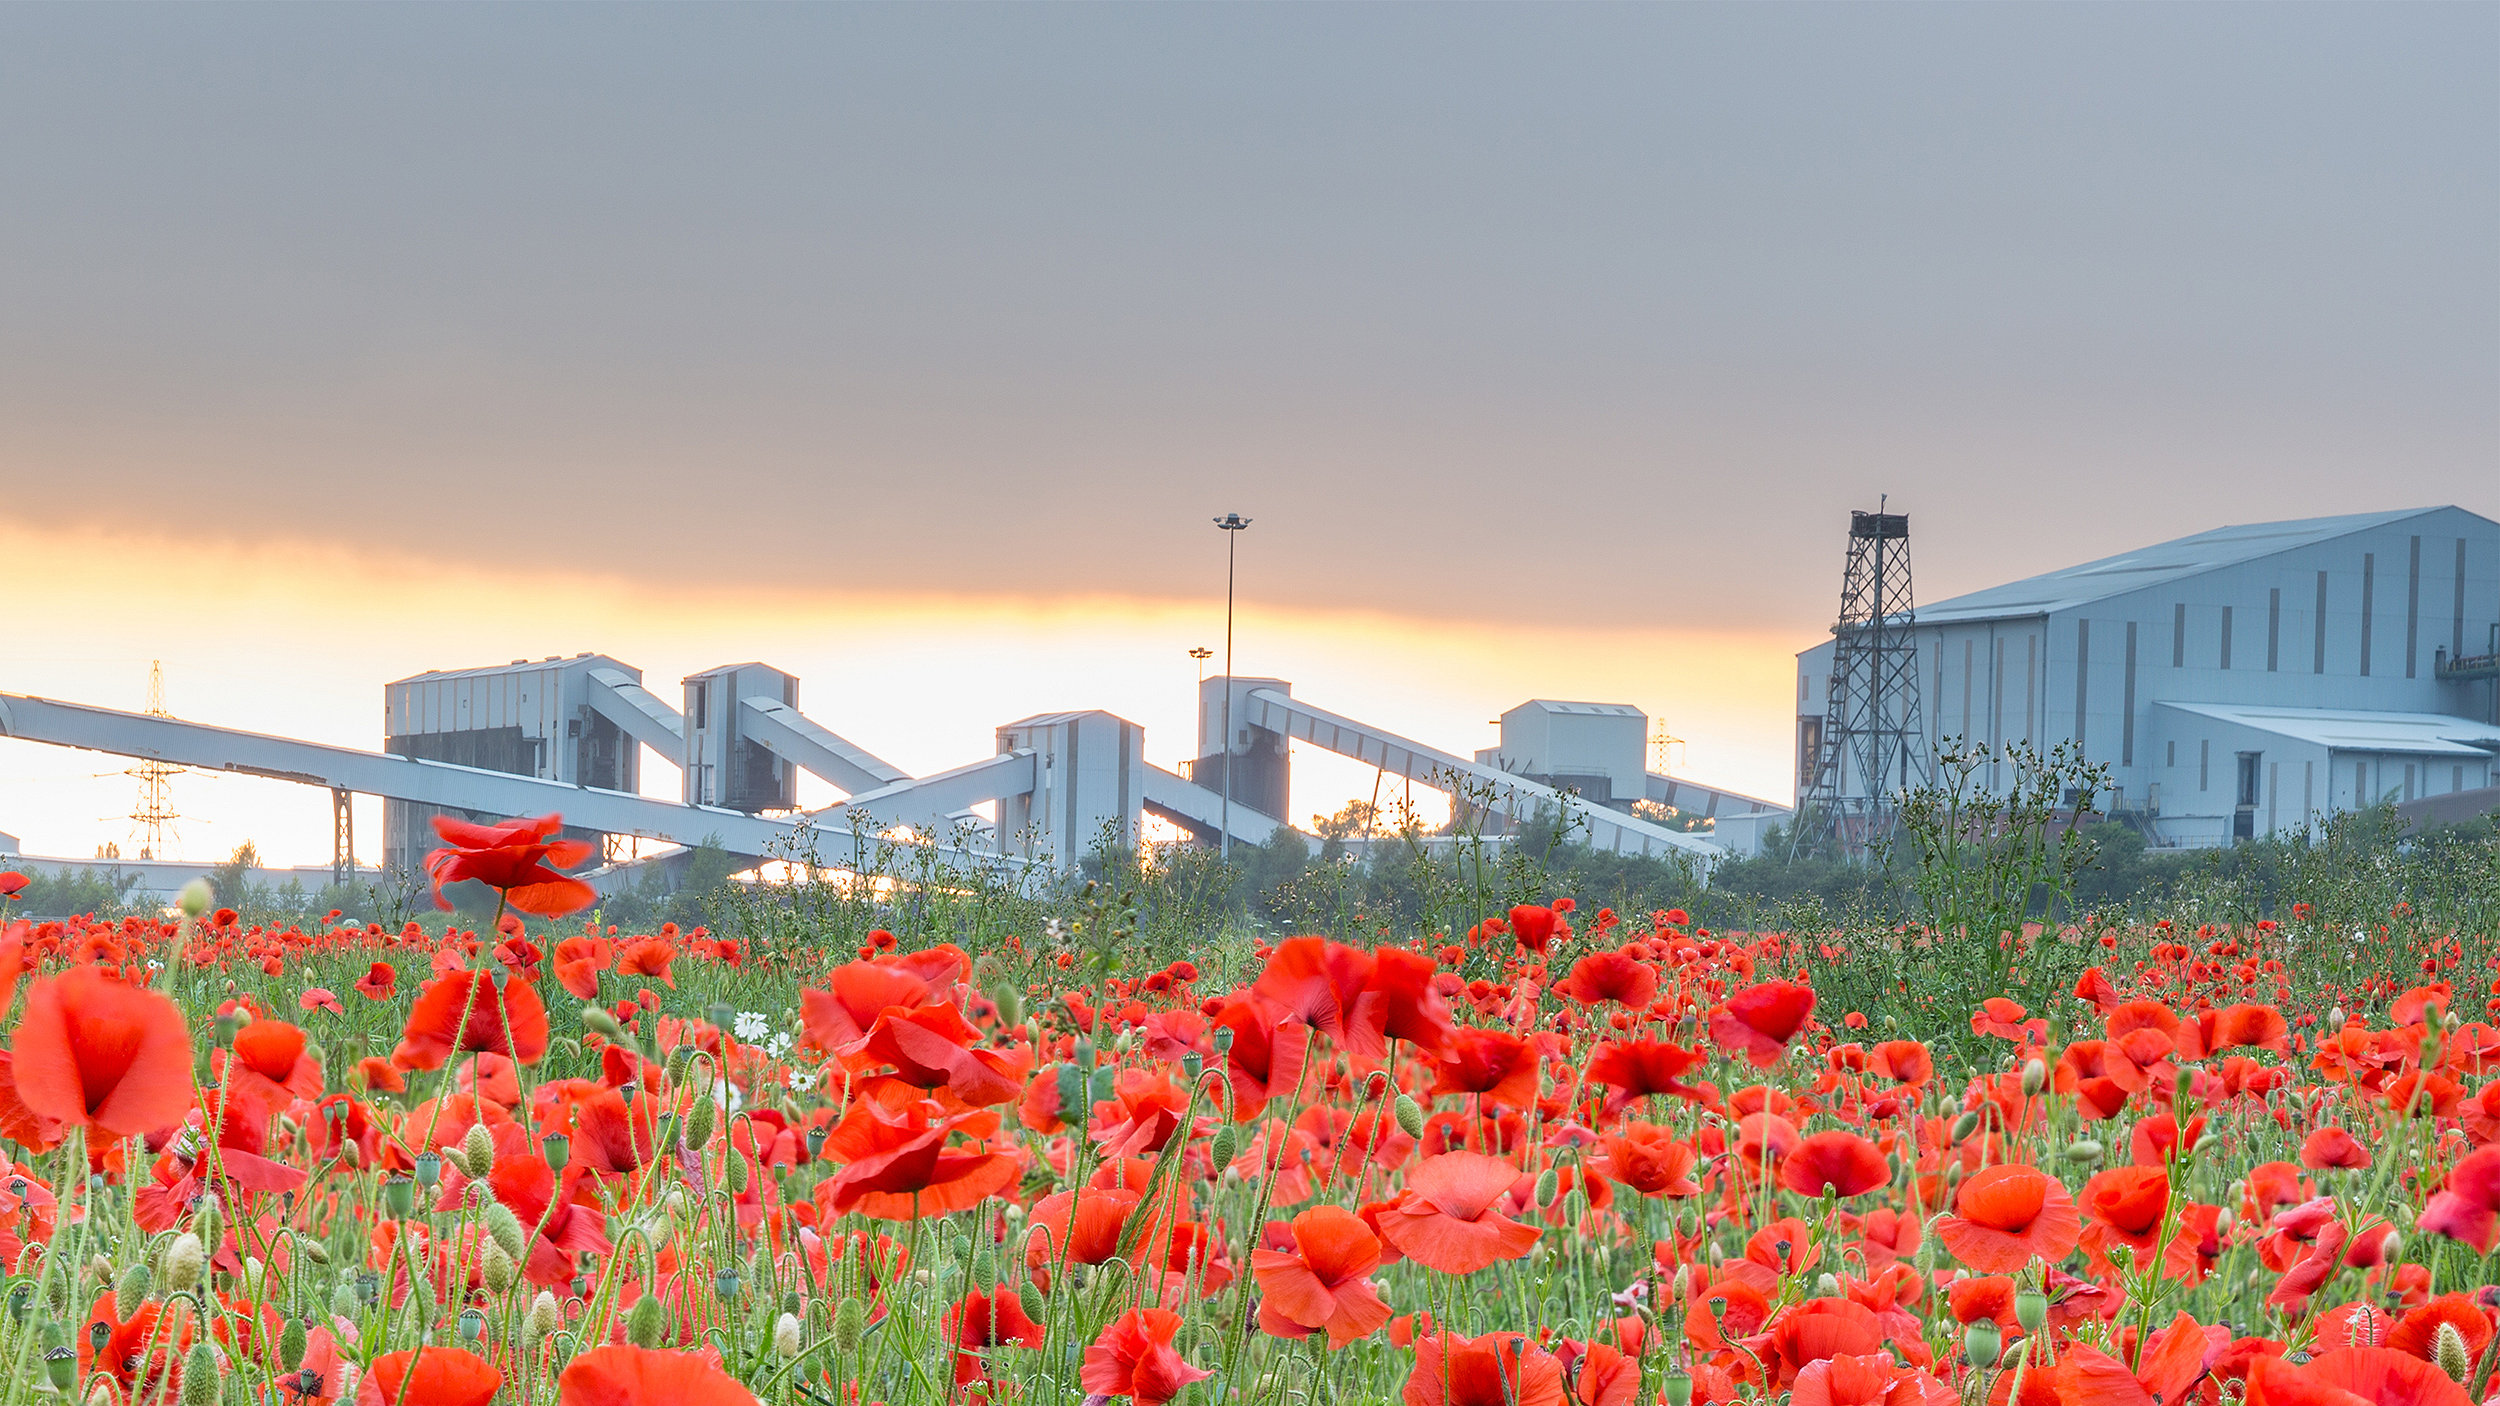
<point x="2341" y="730"/>
<point x="2155" y="565"/>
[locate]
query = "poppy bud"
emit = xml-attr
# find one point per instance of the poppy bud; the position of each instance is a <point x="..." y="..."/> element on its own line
<point x="2035" y="1076"/>
<point x="1546" y="1182"/>
<point x="542" y="1319"/>
<point x="738" y="1175"/>
<point x="1085" y="1054"/>
<point x="1030" y="1299"/>
<point x="700" y="1122"/>
<point x="505" y="1229"/>
<point x="477" y="1151"/>
<point x="343" y="1301"/>
<point x="1010" y="1003"/>
<point x="2449" y="1352"/>
<point x="1223" y="1147"/>
<point x="643" y="1322"/>
<point x="850" y="1325"/>
<point x="201" y="1385"/>
<point x="788" y="1336"/>
<point x="1410" y="1116"/>
<point x="597" y="1018"/>
<point x="1982" y="1343"/>
<point x="2182" y="1086"/>
<point x="1965" y="1125"/>
<point x="984" y="1268"/>
<point x="132" y="1286"/>
<point x="184" y="1259"/>
<point x="291" y="1344"/>
<point x="1575" y="1205"/>
<point x="2083" y="1150"/>
<point x="195" y="898"/>
<point x="2031" y="1310"/>
<point x="2335" y="1018"/>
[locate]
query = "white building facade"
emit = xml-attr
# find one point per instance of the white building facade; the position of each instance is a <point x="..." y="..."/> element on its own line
<point x="2236" y="683"/>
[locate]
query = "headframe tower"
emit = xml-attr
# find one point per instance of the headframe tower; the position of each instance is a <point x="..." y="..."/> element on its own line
<point x="1872" y="743"/>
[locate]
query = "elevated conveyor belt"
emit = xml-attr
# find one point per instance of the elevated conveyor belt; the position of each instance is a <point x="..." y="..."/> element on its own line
<point x="1201" y="811"/>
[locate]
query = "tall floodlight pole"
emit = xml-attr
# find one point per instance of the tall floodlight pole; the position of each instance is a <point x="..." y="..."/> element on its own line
<point x="1234" y="524"/>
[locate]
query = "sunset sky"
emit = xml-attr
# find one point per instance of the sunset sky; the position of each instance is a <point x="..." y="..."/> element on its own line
<point x="912" y="348"/>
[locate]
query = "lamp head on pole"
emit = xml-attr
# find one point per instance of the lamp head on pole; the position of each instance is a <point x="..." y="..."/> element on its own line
<point x="1232" y="522"/>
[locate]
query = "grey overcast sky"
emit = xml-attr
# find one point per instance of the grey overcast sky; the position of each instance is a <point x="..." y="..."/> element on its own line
<point x="1601" y="313"/>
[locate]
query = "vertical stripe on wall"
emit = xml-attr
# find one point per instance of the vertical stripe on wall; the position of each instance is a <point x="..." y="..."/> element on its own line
<point x="2456" y="640"/>
<point x="2126" y="730"/>
<point x="2031" y="685"/>
<point x="2317" y="665"/>
<point x="2178" y="635"/>
<point x="1968" y="667"/>
<point x="1996" y="691"/>
<point x="2274" y="627"/>
<point x="2274" y="788"/>
<point x="2369" y="590"/>
<point x="2083" y="674"/>
<point x="2413" y="605"/>
<point x="2226" y="637"/>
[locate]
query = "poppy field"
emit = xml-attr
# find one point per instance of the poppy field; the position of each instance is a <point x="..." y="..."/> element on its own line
<point x="1552" y="1156"/>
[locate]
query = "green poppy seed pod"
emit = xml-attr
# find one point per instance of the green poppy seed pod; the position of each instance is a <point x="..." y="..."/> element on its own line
<point x="1223" y="1039"/>
<point x="1030" y="1299"/>
<point x="201" y="1386"/>
<point x="399" y="1198"/>
<point x="60" y="1367"/>
<point x="850" y="1325"/>
<point x="2035" y="1076"/>
<point x="1982" y="1343"/>
<point x="788" y="1337"/>
<point x="2083" y="1150"/>
<point x="1085" y="1054"/>
<point x="1546" y="1184"/>
<point x="701" y="1122"/>
<point x="291" y="1344"/>
<point x="2031" y="1310"/>
<point x="2449" y="1353"/>
<point x="1224" y="1147"/>
<point x="472" y="1326"/>
<point x="1679" y="1389"/>
<point x="644" y="1321"/>
<point x="1410" y="1116"/>
<point x="429" y="1169"/>
<point x="133" y="1285"/>
<point x="98" y="1334"/>
<point x="1965" y="1125"/>
<point x="184" y="1260"/>
<point x="544" y="1317"/>
<point x="557" y="1148"/>
<point x="725" y="1283"/>
<point x="195" y="898"/>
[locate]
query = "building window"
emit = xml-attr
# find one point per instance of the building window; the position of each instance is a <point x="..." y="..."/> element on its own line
<point x="2083" y="675"/>
<point x="2178" y="635"/>
<point x="2369" y="595"/>
<point x="2126" y="729"/>
<point x="2171" y="760"/>
<point x="2456" y="781"/>
<point x="2226" y="637"/>
<point x="2317" y="663"/>
<point x="2413" y="608"/>
<point x="2204" y="764"/>
<point x="2274" y="630"/>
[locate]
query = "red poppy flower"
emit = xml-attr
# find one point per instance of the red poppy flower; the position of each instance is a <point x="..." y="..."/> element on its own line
<point x="93" y="1050"/>
<point x="1619" y="976"/>
<point x="579" y="960"/>
<point x="1446" y="1220"/>
<point x="1493" y="1065"/>
<point x="1636" y="1069"/>
<point x="504" y="1017"/>
<point x="2417" y="1333"/>
<point x="2375" y="1376"/>
<point x="1842" y="1161"/>
<point x="618" y="1375"/>
<point x="272" y="1052"/>
<point x="839" y="1015"/>
<point x="379" y="983"/>
<point x="2332" y="1147"/>
<point x="1324" y="1282"/>
<point x="1651" y="1161"/>
<point x="1903" y="1062"/>
<point x="1134" y="1357"/>
<point x="1758" y="1022"/>
<point x="429" y="1376"/>
<point x="979" y="1322"/>
<point x="1533" y="925"/>
<point x="12" y="883"/>
<point x="1498" y="1369"/>
<point x="513" y="857"/>
<point x="2467" y="1208"/>
<point x="900" y="1166"/>
<point x="1870" y="1379"/>
<point x="2005" y="1216"/>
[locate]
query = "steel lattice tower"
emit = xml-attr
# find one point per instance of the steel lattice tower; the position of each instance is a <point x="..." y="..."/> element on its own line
<point x="1872" y="740"/>
<point x="154" y="817"/>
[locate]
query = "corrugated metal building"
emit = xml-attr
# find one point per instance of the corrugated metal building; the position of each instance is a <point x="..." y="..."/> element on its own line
<point x="2236" y="682"/>
<point x="527" y="718"/>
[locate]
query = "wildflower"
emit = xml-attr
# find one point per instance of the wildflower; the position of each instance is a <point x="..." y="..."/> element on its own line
<point x="1497" y="1369"/>
<point x="513" y="858"/>
<point x="1446" y="1220"/>
<point x="430" y="1376"/>
<point x="1842" y="1162"/>
<point x="92" y="1050"/>
<point x="2006" y="1216"/>
<point x="978" y="1322"/>
<point x="624" y="1375"/>
<point x="1759" y="1021"/>
<point x="1134" y="1357"/>
<point x="505" y="1018"/>
<point x="1323" y="1283"/>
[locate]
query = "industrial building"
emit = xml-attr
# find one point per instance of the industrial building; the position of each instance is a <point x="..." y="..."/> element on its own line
<point x="2237" y="683"/>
